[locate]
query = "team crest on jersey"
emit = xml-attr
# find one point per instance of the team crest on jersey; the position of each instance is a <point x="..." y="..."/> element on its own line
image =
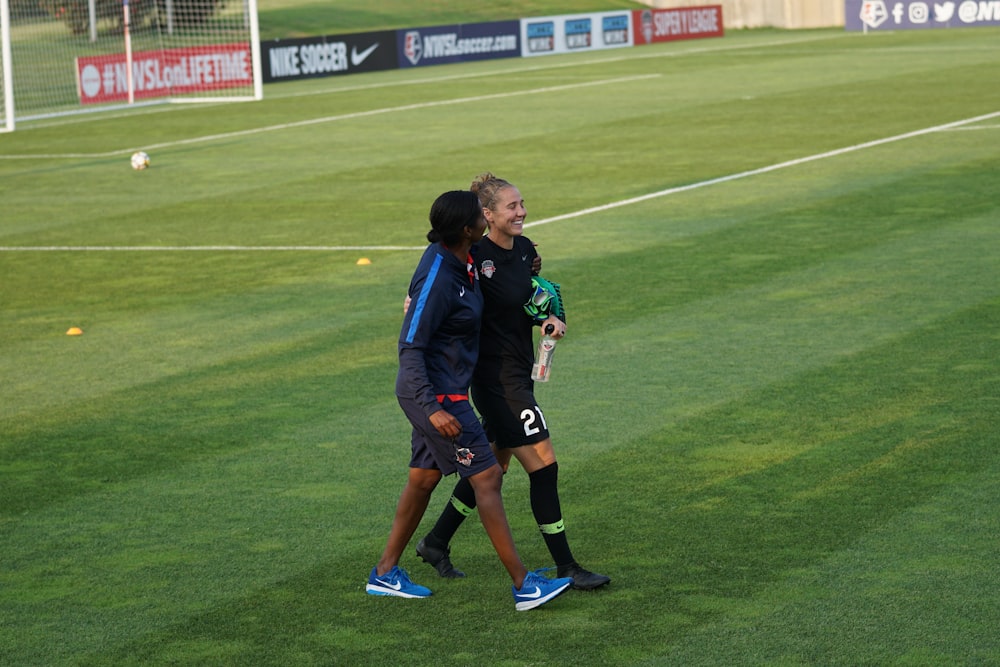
<point x="489" y="268"/>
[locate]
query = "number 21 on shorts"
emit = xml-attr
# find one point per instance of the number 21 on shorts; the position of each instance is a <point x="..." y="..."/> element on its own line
<point x="529" y="417"/>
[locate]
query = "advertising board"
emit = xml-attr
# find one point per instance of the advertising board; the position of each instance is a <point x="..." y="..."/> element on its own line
<point x="574" y="33"/>
<point x="439" y="45"/>
<point x="164" y="72"/>
<point x="331" y="55"/>
<point x="667" y="25"/>
<point x="864" y="15"/>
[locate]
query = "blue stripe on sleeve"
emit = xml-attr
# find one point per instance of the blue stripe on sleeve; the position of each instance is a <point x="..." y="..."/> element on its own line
<point x="422" y="299"/>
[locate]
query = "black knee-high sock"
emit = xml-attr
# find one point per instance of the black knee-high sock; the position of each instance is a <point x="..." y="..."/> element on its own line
<point x="548" y="514"/>
<point x="460" y="505"/>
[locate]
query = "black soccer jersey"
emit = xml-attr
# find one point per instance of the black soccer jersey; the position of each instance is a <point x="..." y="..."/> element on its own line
<point x="506" y="349"/>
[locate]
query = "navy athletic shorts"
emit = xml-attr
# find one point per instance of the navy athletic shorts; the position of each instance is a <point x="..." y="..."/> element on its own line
<point x="511" y="416"/>
<point x="467" y="455"/>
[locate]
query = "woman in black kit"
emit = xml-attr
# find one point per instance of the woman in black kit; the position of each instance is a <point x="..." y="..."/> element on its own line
<point x="502" y="388"/>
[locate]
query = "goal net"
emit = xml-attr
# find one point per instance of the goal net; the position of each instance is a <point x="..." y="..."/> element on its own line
<point x="73" y="56"/>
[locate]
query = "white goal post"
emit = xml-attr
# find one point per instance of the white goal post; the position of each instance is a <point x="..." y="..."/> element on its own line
<point x="62" y="57"/>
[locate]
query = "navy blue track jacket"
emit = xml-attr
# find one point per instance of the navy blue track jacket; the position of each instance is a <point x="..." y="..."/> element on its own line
<point x="439" y="340"/>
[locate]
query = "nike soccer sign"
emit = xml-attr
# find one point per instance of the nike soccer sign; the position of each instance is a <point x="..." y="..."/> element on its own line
<point x="311" y="57"/>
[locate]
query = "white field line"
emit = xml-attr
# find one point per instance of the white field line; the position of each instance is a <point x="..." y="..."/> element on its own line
<point x="339" y="117"/>
<point x="764" y="170"/>
<point x="566" y="216"/>
<point x="537" y="65"/>
<point x="506" y="67"/>
<point x="203" y="248"/>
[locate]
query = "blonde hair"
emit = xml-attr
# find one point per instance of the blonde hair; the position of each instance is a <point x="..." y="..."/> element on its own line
<point x="486" y="186"/>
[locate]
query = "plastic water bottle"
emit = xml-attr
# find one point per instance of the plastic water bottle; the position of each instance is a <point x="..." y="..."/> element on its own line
<point x="543" y="359"/>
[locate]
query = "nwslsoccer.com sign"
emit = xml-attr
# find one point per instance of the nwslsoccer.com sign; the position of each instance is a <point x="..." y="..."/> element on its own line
<point x="164" y="73"/>
<point x="440" y="45"/>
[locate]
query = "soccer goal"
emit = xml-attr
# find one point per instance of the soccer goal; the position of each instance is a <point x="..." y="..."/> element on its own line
<point x="63" y="57"/>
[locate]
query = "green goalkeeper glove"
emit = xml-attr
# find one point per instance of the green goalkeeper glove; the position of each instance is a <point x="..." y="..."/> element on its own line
<point x="545" y="300"/>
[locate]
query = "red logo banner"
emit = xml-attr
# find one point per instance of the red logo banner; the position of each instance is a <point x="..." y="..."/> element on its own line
<point x="164" y="73"/>
<point x="666" y="25"/>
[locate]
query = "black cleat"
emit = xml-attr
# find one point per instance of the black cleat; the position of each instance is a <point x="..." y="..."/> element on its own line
<point x="439" y="558"/>
<point x="583" y="580"/>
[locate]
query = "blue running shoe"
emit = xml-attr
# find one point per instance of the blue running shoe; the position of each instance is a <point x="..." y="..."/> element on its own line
<point x="537" y="590"/>
<point x="397" y="583"/>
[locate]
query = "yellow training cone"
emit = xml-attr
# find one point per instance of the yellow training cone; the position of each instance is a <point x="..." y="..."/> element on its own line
<point x="364" y="261"/>
<point x="74" y="331"/>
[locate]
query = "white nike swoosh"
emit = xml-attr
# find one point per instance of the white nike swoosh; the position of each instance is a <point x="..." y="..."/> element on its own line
<point x="536" y="594"/>
<point x="358" y="58"/>
<point x="395" y="587"/>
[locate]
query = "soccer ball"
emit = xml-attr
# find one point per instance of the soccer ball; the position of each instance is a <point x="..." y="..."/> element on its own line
<point x="140" y="160"/>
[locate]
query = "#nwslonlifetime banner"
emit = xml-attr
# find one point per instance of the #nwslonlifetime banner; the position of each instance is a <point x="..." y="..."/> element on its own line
<point x="164" y="72"/>
<point x="910" y="14"/>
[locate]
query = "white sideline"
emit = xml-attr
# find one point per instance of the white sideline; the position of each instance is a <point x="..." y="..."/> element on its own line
<point x="545" y="221"/>
<point x="686" y="49"/>
<point x="764" y="170"/>
<point x="534" y="66"/>
<point x="331" y="119"/>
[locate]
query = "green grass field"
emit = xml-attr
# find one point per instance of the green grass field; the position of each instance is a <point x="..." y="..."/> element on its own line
<point x="776" y="410"/>
<point x="294" y="18"/>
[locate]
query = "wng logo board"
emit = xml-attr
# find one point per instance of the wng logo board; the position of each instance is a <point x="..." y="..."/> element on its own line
<point x="311" y="57"/>
<point x="862" y="15"/>
<point x="568" y="34"/>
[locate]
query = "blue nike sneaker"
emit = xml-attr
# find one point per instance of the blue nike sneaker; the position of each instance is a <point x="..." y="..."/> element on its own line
<point x="537" y="590"/>
<point x="397" y="583"/>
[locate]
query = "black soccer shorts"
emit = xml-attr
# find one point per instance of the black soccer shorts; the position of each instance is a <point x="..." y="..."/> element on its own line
<point x="511" y="416"/>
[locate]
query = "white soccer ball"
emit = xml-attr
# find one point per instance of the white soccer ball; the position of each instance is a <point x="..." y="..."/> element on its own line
<point x="140" y="160"/>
